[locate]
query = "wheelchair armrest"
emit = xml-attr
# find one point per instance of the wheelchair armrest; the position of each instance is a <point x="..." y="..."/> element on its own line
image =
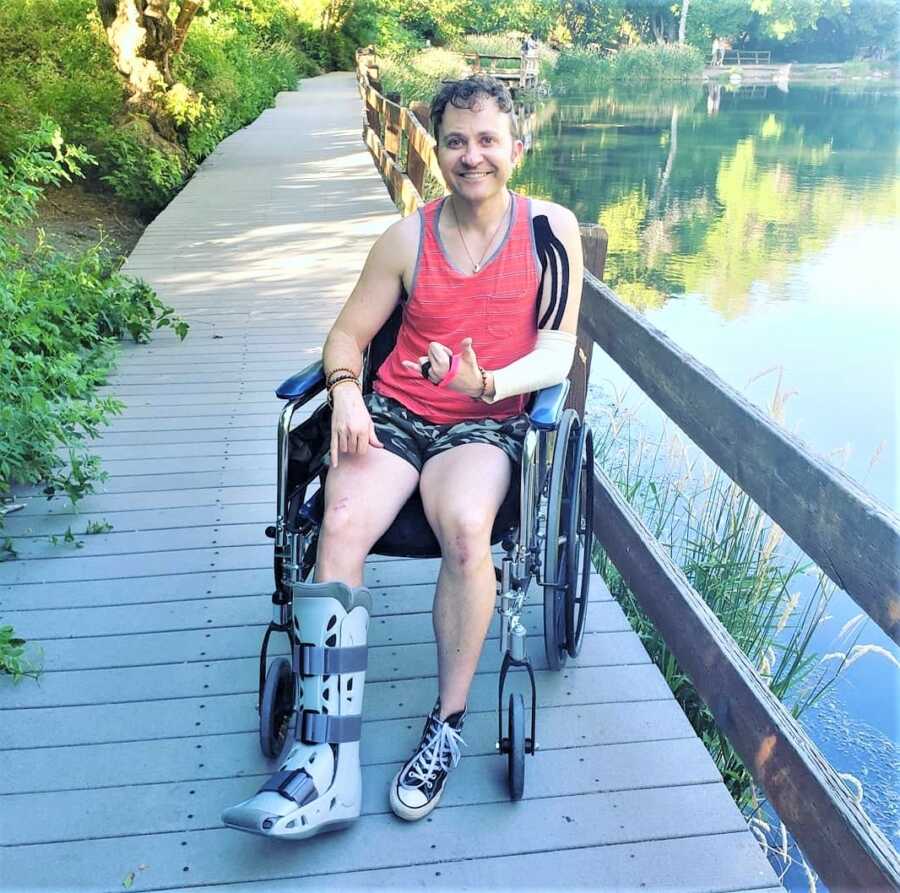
<point x="303" y="385"/>
<point x="547" y="406"/>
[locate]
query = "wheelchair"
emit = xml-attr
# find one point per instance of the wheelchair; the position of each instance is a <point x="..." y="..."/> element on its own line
<point x="544" y="525"/>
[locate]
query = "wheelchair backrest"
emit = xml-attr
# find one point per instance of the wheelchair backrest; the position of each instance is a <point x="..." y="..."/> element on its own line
<point x="382" y="344"/>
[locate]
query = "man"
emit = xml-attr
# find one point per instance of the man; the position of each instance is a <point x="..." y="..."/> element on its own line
<point x="491" y="286"/>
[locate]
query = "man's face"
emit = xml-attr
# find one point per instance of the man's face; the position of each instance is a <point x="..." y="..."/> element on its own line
<point x="476" y="150"/>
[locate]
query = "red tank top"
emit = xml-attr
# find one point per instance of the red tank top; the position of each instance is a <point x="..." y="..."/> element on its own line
<point x="496" y="307"/>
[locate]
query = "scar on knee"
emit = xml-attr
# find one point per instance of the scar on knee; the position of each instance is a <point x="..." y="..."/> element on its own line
<point x="341" y="503"/>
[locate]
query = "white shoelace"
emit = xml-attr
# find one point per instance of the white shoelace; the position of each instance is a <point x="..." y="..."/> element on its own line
<point x="441" y="751"/>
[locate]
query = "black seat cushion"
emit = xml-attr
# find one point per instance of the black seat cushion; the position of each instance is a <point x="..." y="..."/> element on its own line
<point x="410" y="535"/>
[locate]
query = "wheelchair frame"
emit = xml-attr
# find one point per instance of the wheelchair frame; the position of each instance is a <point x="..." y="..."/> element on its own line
<point x="525" y="560"/>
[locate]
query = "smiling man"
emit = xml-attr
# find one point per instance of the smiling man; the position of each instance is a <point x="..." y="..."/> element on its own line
<point x="490" y="284"/>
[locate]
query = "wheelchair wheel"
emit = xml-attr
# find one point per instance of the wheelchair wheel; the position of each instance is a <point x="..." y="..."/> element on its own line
<point x="579" y="536"/>
<point x="556" y="546"/>
<point x="277" y="707"/>
<point x="516" y="754"/>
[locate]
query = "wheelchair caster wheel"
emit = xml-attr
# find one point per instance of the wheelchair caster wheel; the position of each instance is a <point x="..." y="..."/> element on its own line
<point x="516" y="755"/>
<point x="276" y="708"/>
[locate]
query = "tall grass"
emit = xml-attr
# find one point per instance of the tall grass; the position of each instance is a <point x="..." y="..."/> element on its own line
<point x="579" y="69"/>
<point x="418" y="77"/>
<point x="738" y="561"/>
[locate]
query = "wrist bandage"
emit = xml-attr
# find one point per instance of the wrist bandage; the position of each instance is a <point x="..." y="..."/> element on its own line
<point x="548" y="364"/>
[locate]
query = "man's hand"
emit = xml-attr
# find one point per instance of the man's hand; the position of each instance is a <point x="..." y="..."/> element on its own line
<point x="352" y="430"/>
<point x="467" y="380"/>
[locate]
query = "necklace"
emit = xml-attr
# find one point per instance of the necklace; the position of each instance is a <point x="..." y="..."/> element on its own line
<point x="477" y="266"/>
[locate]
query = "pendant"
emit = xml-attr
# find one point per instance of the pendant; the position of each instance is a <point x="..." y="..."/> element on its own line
<point x="477" y="268"/>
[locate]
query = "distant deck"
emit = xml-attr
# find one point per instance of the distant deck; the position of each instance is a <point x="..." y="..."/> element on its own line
<point x="117" y="764"/>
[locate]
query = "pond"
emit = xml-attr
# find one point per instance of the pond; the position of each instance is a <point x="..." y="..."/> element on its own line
<point x="758" y="227"/>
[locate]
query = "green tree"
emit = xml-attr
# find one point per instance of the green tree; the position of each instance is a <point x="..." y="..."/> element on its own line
<point x="143" y="38"/>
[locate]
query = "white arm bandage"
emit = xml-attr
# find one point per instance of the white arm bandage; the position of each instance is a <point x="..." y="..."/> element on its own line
<point x="548" y="364"/>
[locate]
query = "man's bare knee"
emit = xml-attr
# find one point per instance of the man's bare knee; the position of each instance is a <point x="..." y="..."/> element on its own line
<point x="465" y="541"/>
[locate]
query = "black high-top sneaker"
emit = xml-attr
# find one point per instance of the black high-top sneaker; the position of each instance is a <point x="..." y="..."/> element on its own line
<point x="417" y="787"/>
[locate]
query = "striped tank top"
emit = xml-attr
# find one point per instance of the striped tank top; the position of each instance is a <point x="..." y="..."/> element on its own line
<point x="496" y="307"/>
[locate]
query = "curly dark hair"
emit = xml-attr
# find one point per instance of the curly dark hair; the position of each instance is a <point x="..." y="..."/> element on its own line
<point x="467" y="93"/>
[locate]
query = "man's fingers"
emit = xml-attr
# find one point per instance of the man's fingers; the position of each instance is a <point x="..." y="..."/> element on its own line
<point x="373" y="437"/>
<point x="334" y="450"/>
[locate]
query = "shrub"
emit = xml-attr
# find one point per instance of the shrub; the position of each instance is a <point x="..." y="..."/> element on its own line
<point x="59" y="319"/>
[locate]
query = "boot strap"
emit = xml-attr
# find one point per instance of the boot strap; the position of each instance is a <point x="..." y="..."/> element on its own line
<point x="321" y="728"/>
<point x="296" y="785"/>
<point x="318" y="661"/>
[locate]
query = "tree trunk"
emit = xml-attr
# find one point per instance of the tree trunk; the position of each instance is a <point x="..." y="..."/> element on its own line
<point x="682" y="22"/>
<point x="186" y="15"/>
<point x="143" y="38"/>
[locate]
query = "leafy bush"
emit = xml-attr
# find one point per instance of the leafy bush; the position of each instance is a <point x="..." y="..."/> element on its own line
<point x="60" y="317"/>
<point x="13" y="656"/>
<point x="139" y="171"/>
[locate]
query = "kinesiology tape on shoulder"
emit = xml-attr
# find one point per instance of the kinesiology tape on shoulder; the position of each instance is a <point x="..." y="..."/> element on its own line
<point x="548" y="364"/>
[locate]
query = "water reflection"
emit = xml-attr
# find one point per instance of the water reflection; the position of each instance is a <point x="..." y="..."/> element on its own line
<point x="716" y="190"/>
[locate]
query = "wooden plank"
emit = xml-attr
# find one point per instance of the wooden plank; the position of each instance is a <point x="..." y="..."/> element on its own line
<point x="219" y="615"/>
<point x="210" y="642"/>
<point x="86" y="814"/>
<point x="205" y="756"/>
<point x="845" y="847"/>
<point x="716" y="864"/>
<point x="102" y="502"/>
<point x="144" y="542"/>
<point x="234" y="675"/>
<point x="179" y="717"/>
<point x="381" y="841"/>
<point x="851" y="536"/>
<point x="126" y="523"/>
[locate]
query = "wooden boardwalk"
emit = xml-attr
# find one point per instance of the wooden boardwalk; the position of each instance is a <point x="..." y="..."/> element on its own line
<point x="117" y="764"/>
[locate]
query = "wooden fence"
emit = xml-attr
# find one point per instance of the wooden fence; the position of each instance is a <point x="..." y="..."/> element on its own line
<point x="515" y="71"/>
<point x="746" y="57"/>
<point x="854" y="539"/>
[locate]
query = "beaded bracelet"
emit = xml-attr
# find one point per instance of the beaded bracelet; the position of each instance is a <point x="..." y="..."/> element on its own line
<point x="335" y="372"/>
<point x="335" y="383"/>
<point x="483" y="383"/>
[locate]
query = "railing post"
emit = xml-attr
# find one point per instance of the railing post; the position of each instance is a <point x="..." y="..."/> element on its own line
<point x="415" y="164"/>
<point x="593" y="244"/>
<point x="392" y="135"/>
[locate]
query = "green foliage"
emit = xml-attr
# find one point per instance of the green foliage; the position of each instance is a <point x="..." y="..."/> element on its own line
<point x="60" y="317"/>
<point x="419" y="77"/>
<point x="728" y="550"/>
<point x="138" y="171"/>
<point x="96" y="527"/>
<point x="14" y="658"/>
<point x="55" y="61"/>
<point x="579" y="69"/>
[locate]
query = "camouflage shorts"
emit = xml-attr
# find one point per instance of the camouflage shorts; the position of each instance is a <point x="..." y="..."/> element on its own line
<point x="412" y="438"/>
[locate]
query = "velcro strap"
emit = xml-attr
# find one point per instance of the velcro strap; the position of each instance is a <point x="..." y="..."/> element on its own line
<point x="318" y="661"/>
<point x="296" y="785"/>
<point x="320" y="728"/>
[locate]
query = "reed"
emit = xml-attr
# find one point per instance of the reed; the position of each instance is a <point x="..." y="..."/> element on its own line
<point x="738" y="561"/>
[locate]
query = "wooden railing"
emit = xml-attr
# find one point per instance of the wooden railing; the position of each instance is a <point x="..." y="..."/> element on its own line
<point x="747" y="57"/>
<point x="397" y="137"/>
<point x="854" y="539"/>
<point x="521" y="70"/>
